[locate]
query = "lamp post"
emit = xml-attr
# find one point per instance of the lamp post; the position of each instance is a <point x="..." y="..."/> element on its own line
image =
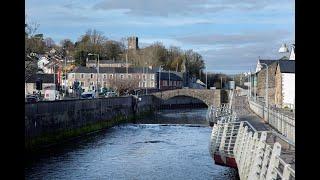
<point x="97" y="85"/>
<point x="283" y="48"/>
<point x="146" y="76"/>
<point x="160" y="77"/>
<point x="267" y="92"/>
<point x="65" y="74"/>
<point x="169" y="80"/>
<point x="54" y="80"/>
<point x="206" y="79"/>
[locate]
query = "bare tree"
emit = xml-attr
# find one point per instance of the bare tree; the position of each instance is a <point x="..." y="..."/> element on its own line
<point x="122" y="86"/>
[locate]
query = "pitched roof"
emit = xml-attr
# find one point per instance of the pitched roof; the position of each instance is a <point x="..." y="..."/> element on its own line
<point x="82" y="69"/>
<point x="46" y="78"/>
<point x="287" y="66"/>
<point x="105" y="62"/>
<point x="165" y="76"/>
<point x="267" y="61"/>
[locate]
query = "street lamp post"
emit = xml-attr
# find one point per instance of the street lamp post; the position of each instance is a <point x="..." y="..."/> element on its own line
<point x="97" y="85"/>
<point x="206" y="79"/>
<point x="65" y="76"/>
<point x="267" y="91"/>
<point x="146" y="76"/>
<point x="160" y="77"/>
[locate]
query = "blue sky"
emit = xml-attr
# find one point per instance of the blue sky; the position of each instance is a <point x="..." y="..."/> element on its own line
<point x="229" y="34"/>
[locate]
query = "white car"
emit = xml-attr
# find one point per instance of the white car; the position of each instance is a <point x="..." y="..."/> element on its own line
<point x="51" y="95"/>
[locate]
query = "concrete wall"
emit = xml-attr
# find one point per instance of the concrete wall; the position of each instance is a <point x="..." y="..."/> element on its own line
<point x="44" y="119"/>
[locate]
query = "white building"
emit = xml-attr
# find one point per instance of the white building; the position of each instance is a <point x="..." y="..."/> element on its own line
<point x="285" y="84"/>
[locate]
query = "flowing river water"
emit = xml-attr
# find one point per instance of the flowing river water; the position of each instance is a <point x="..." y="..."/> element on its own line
<point x="172" y="144"/>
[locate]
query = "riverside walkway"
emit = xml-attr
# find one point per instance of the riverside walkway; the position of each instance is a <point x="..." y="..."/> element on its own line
<point x="243" y="140"/>
<point x="241" y="107"/>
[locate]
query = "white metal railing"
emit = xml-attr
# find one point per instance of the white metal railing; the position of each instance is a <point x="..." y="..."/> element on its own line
<point x="254" y="157"/>
<point x="222" y="113"/>
<point x="280" y="121"/>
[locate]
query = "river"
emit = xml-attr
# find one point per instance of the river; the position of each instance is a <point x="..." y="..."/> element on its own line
<point x="161" y="148"/>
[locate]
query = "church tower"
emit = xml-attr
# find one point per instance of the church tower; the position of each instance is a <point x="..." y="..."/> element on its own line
<point x="133" y="43"/>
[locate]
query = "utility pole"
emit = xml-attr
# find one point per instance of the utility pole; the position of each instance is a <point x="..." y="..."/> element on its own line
<point x="160" y="77"/>
<point x="65" y="75"/>
<point x="127" y="62"/>
<point x="206" y="79"/>
<point x="221" y="83"/>
<point x="147" y="80"/>
<point x="169" y="78"/>
<point x="98" y="64"/>
<point x="267" y="91"/>
<point x="97" y="90"/>
<point x="54" y="80"/>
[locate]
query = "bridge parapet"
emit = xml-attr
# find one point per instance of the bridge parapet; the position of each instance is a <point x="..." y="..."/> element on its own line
<point x="208" y="96"/>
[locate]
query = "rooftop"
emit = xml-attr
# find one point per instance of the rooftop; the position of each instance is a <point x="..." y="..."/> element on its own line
<point x="81" y="69"/>
<point x="287" y="66"/>
<point x="106" y="62"/>
<point x="173" y="77"/>
<point x="46" y="78"/>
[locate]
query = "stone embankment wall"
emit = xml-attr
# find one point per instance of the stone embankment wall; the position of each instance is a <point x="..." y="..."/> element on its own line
<point x="50" y="122"/>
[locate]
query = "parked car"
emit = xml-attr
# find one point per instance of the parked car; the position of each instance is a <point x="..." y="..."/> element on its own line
<point x="88" y="95"/>
<point x="111" y="94"/>
<point x="32" y="98"/>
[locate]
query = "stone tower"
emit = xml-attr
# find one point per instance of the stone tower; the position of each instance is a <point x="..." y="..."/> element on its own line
<point x="133" y="43"/>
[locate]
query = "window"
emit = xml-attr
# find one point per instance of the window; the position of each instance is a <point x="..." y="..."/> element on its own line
<point x="104" y="76"/>
<point x="152" y="76"/>
<point x="138" y="76"/>
<point x="111" y="76"/>
<point x="152" y="84"/>
<point x="144" y="84"/>
<point x="104" y="84"/>
<point x="91" y="83"/>
<point x="91" y="76"/>
<point x="82" y="75"/>
<point x="72" y="75"/>
<point x="81" y="83"/>
<point x="121" y="76"/>
<point x="129" y="76"/>
<point x="144" y="77"/>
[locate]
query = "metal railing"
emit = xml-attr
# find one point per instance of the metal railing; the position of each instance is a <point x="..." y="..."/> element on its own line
<point x="283" y="123"/>
<point x="255" y="158"/>
<point x="222" y="113"/>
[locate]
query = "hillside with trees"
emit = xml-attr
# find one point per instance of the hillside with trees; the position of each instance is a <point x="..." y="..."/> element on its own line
<point x="93" y="41"/>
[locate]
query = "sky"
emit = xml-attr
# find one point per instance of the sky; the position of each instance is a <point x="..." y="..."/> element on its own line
<point x="229" y="34"/>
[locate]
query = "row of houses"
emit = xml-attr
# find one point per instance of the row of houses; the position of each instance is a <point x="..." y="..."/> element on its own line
<point x="144" y="77"/>
<point x="281" y="81"/>
<point x="89" y="79"/>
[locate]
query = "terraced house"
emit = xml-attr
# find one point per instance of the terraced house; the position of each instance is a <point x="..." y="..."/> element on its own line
<point x="88" y="77"/>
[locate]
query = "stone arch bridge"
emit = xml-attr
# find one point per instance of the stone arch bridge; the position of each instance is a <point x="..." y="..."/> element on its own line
<point x="208" y="96"/>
